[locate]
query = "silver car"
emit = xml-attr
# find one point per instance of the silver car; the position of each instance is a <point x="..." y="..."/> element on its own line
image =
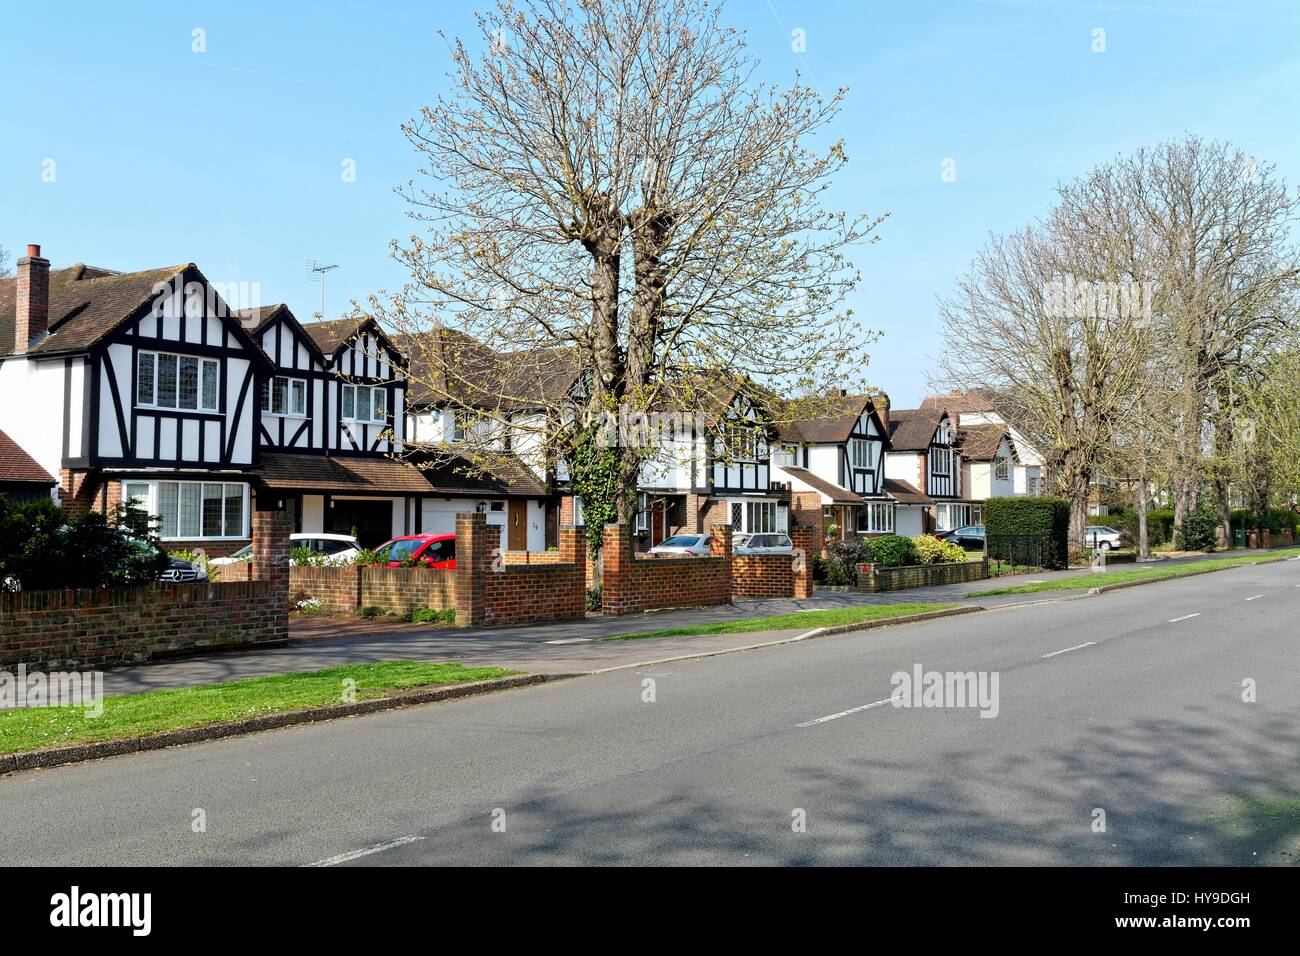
<point x="1100" y="537"/>
<point x="763" y="544"/>
<point x="689" y="545"/>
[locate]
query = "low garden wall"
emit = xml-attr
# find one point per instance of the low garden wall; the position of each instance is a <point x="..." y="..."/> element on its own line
<point x="922" y="575"/>
<point x="755" y="576"/>
<point x="489" y="591"/>
<point x="635" y="583"/>
<point x="105" y="626"/>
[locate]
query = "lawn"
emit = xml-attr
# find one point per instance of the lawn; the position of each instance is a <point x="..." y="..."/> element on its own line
<point x="136" y="715"/>
<point x="1083" y="582"/>
<point x="804" y="620"/>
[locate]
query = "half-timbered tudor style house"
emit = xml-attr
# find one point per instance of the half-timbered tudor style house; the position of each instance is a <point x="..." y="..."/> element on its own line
<point x="501" y="404"/>
<point x="973" y="409"/>
<point x="925" y="453"/>
<point x="988" y="462"/>
<point x="148" y="386"/>
<point x="836" y="467"/>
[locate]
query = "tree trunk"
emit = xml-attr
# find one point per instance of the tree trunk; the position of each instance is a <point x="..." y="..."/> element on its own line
<point x="1144" y="546"/>
<point x="1076" y="485"/>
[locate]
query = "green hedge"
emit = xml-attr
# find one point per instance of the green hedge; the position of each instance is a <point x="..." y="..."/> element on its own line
<point x="1011" y="523"/>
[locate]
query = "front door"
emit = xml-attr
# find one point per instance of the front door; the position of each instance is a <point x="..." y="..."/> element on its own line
<point x="517" y="527"/>
<point x="371" y="522"/>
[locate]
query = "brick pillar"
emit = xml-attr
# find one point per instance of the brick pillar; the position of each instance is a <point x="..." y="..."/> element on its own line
<point x="693" y="522"/>
<point x="807" y="544"/>
<point x="473" y="556"/>
<point x="617" y="557"/>
<point x="271" y="549"/>
<point x="720" y="547"/>
<point x="572" y="542"/>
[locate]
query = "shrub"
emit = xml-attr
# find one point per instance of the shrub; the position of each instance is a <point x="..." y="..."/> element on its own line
<point x="44" y="548"/>
<point x="310" y="606"/>
<point x="594" y="602"/>
<point x="891" y="551"/>
<point x="431" y="615"/>
<point x="369" y="611"/>
<point x="1034" y="527"/>
<point x="931" y="551"/>
<point x="842" y="560"/>
<point x="819" y="570"/>
<point x="1197" y="532"/>
<point x="368" y="557"/>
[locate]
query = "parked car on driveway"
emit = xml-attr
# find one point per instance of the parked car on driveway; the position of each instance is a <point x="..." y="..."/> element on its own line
<point x="1102" y="538"/>
<point x="338" y="548"/>
<point x="763" y="544"/>
<point x="178" y="570"/>
<point x="970" y="537"/>
<point x="689" y="545"/>
<point x="428" y="550"/>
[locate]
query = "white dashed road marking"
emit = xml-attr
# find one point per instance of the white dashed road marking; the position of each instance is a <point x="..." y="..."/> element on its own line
<point x="845" y="713"/>
<point x="1255" y="598"/>
<point x="357" y="854"/>
<point x="1068" y="649"/>
<point x="1185" y="617"/>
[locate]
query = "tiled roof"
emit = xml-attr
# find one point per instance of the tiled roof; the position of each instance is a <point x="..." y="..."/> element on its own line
<point x="837" y="495"/>
<point x="981" y="442"/>
<point x="482" y="378"/>
<point x="86" y="304"/>
<point x="971" y="400"/>
<point x="17" y="465"/>
<point x="267" y="314"/>
<point x="906" y="493"/>
<point x="910" y="429"/>
<point x="329" y="335"/>
<point x="384" y="476"/>
<point x="834" y="427"/>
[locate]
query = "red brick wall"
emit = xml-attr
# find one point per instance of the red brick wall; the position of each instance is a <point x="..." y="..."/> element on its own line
<point x="634" y="583"/>
<point x="777" y="575"/>
<point x="126" y="625"/>
<point x="492" y="592"/>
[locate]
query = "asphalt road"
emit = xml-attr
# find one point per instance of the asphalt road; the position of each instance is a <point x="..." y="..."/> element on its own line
<point x="1129" y="702"/>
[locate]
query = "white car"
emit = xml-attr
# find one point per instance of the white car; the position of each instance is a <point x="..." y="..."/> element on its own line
<point x="338" y="548"/>
<point x="763" y="544"/>
<point x="1103" y="538"/>
<point x="689" y="545"/>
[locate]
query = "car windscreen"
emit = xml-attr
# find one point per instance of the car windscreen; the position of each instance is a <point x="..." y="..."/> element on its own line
<point x="681" y="541"/>
<point x="401" y="550"/>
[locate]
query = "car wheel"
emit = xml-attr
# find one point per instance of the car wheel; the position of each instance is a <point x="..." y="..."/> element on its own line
<point x="1105" y="546"/>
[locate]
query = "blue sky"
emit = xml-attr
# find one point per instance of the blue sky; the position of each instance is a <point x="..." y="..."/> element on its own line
<point x="232" y="158"/>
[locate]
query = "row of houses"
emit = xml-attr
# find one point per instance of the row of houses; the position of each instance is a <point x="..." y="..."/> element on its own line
<point x="149" y="386"/>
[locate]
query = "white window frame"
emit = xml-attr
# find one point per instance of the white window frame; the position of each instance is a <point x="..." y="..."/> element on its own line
<point x="786" y="454"/>
<point x="150" y="502"/>
<point x="971" y="515"/>
<point x="757" y="516"/>
<point x="860" y="453"/>
<point x="942" y="461"/>
<point x="642" y="520"/>
<point x="205" y="367"/>
<point x="1001" y="469"/>
<point x="357" y="391"/>
<point x="879" y="515"/>
<point x="268" y="398"/>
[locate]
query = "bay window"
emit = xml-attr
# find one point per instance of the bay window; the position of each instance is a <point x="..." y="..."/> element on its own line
<point x="192" y="510"/>
<point x="876" y="517"/>
<point x="184" y="382"/>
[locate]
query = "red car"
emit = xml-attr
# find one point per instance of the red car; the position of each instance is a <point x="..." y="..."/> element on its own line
<point x="429" y="550"/>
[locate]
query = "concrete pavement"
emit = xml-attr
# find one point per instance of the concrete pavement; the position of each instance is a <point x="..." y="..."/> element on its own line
<point x="1128" y="703"/>
<point x="556" y="648"/>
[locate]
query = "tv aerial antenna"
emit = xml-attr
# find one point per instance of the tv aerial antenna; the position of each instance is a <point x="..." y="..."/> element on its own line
<point x="316" y="273"/>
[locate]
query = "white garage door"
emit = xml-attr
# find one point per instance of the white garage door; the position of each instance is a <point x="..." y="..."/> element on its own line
<point x="439" y="517"/>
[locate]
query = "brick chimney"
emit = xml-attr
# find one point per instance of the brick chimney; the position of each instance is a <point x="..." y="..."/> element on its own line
<point x="32" y="317"/>
<point x="881" y="402"/>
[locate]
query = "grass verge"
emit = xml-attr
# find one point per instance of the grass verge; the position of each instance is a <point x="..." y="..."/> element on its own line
<point x="137" y="715"/>
<point x="804" y="620"/>
<point x="1084" y="582"/>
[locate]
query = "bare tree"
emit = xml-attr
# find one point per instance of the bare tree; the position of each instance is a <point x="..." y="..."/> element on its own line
<point x="1214" y="227"/>
<point x="1034" y="324"/>
<point x="4" y="261"/>
<point x="590" y="135"/>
